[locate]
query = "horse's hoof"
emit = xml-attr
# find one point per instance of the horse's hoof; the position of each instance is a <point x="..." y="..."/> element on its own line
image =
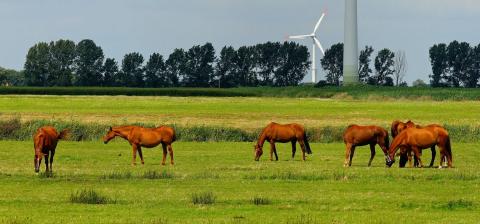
<point x="163" y="164"/>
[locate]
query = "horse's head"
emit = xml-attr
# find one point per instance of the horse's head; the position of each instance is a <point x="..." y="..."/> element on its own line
<point x="410" y="124"/>
<point x="109" y="136"/>
<point x="389" y="161"/>
<point x="258" y="151"/>
<point x="37" y="159"/>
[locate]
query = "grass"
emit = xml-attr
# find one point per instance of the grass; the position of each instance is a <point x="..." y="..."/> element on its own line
<point x="203" y="198"/>
<point x="319" y="190"/>
<point x="355" y="92"/>
<point x="245" y="113"/>
<point x="89" y="196"/>
<point x="259" y="200"/>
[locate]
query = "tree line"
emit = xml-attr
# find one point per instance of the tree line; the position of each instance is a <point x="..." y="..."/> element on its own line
<point x="455" y="65"/>
<point x="390" y="68"/>
<point x="64" y="63"/>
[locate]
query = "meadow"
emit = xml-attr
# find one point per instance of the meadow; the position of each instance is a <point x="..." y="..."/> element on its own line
<point x="218" y="182"/>
<point x="319" y="190"/>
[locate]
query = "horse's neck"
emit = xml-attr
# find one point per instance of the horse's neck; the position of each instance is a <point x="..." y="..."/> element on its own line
<point x="262" y="139"/>
<point x="123" y="131"/>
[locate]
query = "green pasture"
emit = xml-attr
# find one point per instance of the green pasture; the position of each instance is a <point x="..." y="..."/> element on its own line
<point x="319" y="190"/>
<point x="239" y="112"/>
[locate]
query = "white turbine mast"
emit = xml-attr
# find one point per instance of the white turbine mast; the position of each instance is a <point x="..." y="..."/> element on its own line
<point x="316" y="43"/>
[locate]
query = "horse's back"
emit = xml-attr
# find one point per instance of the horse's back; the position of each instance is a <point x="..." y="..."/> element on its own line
<point x="357" y="134"/>
<point x="284" y="132"/>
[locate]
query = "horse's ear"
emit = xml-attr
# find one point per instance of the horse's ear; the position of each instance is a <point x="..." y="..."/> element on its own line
<point x="110" y="128"/>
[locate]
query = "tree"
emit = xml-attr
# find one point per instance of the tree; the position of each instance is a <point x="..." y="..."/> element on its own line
<point x="400" y="67"/>
<point x="473" y="73"/>
<point x="419" y="83"/>
<point x="268" y="60"/>
<point x="293" y="64"/>
<point x="364" y="64"/>
<point x="155" y="72"/>
<point x="438" y="60"/>
<point x="384" y="68"/>
<point x="458" y="61"/>
<point x="175" y="66"/>
<point x="332" y="63"/>
<point x="225" y="68"/>
<point x="132" y="70"/>
<point x="110" y="72"/>
<point x="36" y="65"/>
<point x="245" y="64"/>
<point x="10" y="77"/>
<point x="61" y="63"/>
<point x="89" y="64"/>
<point x="199" y="66"/>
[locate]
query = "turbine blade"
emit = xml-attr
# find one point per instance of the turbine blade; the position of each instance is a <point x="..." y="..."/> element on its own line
<point x="318" y="23"/>
<point x="317" y="42"/>
<point x="299" y="37"/>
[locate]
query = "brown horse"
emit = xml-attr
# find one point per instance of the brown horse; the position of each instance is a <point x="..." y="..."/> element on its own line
<point x="44" y="142"/>
<point x="139" y="137"/>
<point x="282" y="133"/>
<point x="417" y="139"/>
<point x="356" y="135"/>
<point x="405" y="153"/>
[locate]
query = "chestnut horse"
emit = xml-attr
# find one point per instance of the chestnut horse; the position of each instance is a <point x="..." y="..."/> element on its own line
<point x="356" y="135"/>
<point x="44" y="142"/>
<point x="139" y="137"/>
<point x="282" y="133"/>
<point x="406" y="154"/>
<point x="417" y="139"/>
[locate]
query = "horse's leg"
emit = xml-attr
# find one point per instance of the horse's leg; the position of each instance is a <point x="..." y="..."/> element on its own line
<point x="272" y="146"/>
<point x="294" y="148"/>
<point x="418" y="155"/>
<point x="170" y="151"/>
<point x="140" y="154"/>
<point x="434" y="153"/>
<point x="52" y="153"/>
<point x="372" y="154"/>
<point x="415" y="161"/>
<point x="134" y="155"/>
<point x="46" y="163"/>
<point x="352" y="151"/>
<point x="164" y="148"/>
<point x="348" y="150"/>
<point x="302" y="146"/>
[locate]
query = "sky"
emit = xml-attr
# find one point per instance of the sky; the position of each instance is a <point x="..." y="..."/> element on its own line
<point x="148" y="26"/>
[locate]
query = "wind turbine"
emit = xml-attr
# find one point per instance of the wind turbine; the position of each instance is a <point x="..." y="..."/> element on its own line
<point x="316" y="43"/>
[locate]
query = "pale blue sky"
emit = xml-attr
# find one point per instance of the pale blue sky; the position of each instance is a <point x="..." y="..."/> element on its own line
<point x="147" y="26"/>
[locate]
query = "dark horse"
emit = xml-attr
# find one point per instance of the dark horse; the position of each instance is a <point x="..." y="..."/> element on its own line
<point x="356" y="135"/>
<point x="282" y="133"/>
<point x="44" y="142"/>
<point x="417" y="139"/>
<point x="139" y="137"/>
<point x="406" y="154"/>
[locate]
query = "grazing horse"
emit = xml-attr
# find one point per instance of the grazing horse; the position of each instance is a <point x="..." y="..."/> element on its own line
<point x="417" y="139"/>
<point x="356" y="135"/>
<point x="44" y="142"/>
<point x="282" y="133"/>
<point x="405" y="153"/>
<point x="139" y="137"/>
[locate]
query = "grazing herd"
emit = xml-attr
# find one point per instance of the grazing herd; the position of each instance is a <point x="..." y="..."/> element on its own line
<point x="411" y="139"/>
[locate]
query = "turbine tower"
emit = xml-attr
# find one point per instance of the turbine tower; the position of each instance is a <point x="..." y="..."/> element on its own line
<point x="316" y="43"/>
<point x="350" y="53"/>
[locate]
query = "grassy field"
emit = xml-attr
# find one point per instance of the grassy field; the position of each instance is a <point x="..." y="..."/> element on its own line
<point x="223" y="176"/>
<point x="239" y="112"/>
<point x="319" y="190"/>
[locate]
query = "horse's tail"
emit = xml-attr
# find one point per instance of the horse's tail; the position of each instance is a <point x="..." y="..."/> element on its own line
<point x="64" y="134"/>
<point x="448" y="147"/>
<point x="307" y="145"/>
<point x="174" y="135"/>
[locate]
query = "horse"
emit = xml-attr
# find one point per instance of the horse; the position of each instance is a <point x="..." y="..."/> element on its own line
<point x="274" y="132"/>
<point x="417" y="139"/>
<point x="356" y="135"/>
<point x="139" y="137"/>
<point x="44" y="142"/>
<point x="406" y="154"/>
